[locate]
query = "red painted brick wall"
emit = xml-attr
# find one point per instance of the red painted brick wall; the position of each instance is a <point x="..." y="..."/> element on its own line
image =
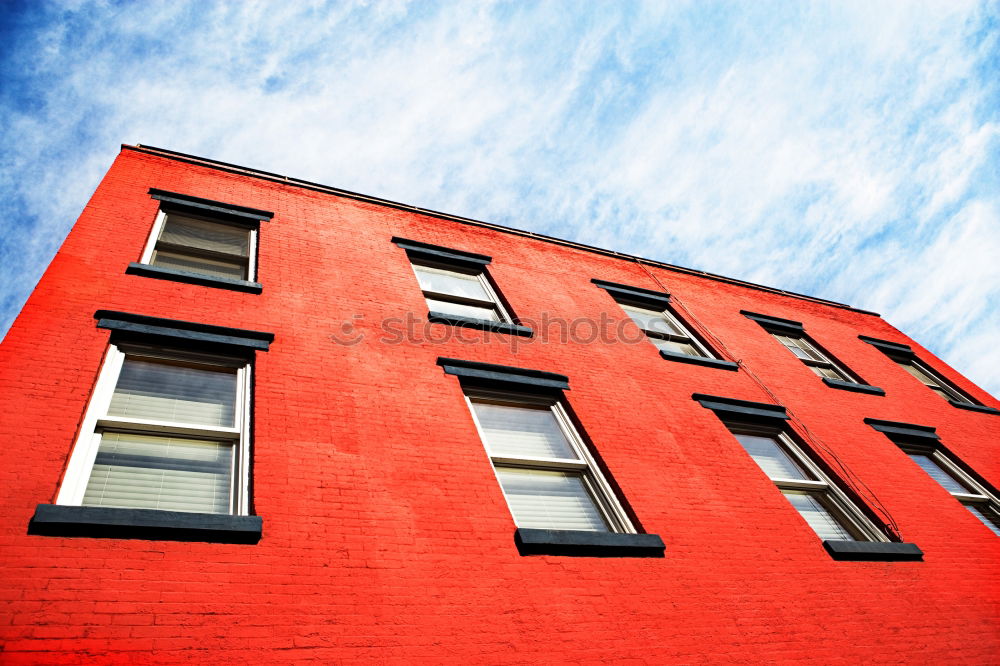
<point x="386" y="536"/>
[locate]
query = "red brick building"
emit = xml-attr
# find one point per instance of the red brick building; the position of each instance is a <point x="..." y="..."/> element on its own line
<point x="249" y="418"/>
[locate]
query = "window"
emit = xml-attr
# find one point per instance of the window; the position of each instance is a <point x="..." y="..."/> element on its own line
<point x="906" y="359"/>
<point x="165" y="430"/>
<point x="651" y="312"/>
<point x="931" y="380"/>
<point x="816" y="361"/>
<point x="203" y="242"/>
<point x="792" y="336"/>
<point x="824" y="507"/>
<point x="546" y="473"/>
<point x="979" y="501"/>
<point x="199" y="244"/>
<point x="923" y="446"/>
<point x="665" y="331"/>
<point x="463" y="293"/>
<point x="457" y="289"/>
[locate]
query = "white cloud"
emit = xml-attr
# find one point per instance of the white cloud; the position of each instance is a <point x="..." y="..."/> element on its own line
<point x="817" y="148"/>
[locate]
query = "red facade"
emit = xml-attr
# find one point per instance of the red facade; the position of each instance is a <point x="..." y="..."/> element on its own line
<point x="386" y="537"/>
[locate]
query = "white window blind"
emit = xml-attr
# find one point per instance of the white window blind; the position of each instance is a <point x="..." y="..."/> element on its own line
<point x="817" y="516"/>
<point x="163" y="391"/>
<point x="767" y="453"/>
<point x="522" y="432"/>
<point x="550" y="500"/>
<point x="938" y="474"/>
<point x="169" y="473"/>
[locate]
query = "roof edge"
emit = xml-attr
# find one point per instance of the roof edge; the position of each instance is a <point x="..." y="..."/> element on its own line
<point x="297" y="182"/>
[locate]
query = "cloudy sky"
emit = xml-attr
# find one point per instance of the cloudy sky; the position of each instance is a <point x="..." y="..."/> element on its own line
<point x="846" y="150"/>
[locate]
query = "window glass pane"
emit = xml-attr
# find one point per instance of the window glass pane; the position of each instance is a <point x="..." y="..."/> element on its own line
<point x="936" y="472"/>
<point x="190" y="232"/>
<point x="454" y="284"/>
<point x="799" y="348"/>
<point x="986" y="515"/>
<point x="522" y="432"/>
<point x="166" y="473"/>
<point x="471" y="311"/>
<point x="772" y="458"/>
<point x="944" y="394"/>
<point x="827" y="372"/>
<point x="919" y="374"/>
<point x="818" y="517"/>
<point x="163" y="391"/>
<point x="676" y="347"/>
<point x="550" y="500"/>
<point x="236" y="269"/>
<point x="651" y="320"/>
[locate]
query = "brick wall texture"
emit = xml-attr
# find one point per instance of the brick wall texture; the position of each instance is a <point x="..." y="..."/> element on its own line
<point x="386" y="536"/>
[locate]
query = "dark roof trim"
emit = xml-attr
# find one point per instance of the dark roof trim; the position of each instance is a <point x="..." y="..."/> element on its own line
<point x="182" y="330"/>
<point x="904" y="429"/>
<point x="891" y="348"/>
<point x="489" y="373"/>
<point x="445" y="254"/>
<point x="217" y="208"/>
<point x="295" y="182"/>
<point x="776" y="324"/>
<point x="740" y="408"/>
<point x="625" y="292"/>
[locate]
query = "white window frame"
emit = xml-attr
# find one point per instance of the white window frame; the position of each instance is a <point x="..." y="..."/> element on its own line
<point x="97" y="420"/>
<point x="977" y="496"/>
<point x="603" y="496"/>
<point x="161" y="219"/>
<point x="686" y="338"/>
<point x="493" y="304"/>
<point x="834" y="500"/>
<point x="941" y="383"/>
<point x="821" y="361"/>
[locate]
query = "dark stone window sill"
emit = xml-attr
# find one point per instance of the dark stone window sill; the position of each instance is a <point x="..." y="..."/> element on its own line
<point x="148" y="524"/>
<point x="851" y="386"/>
<point x="974" y="408"/>
<point x="481" y="324"/>
<point x="699" y="360"/>
<point x="146" y="270"/>
<point x="873" y="551"/>
<point x="587" y="544"/>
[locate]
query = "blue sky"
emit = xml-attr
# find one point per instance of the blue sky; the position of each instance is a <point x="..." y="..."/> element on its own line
<point x="846" y="150"/>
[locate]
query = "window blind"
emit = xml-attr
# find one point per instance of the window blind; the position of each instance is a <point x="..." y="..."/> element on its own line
<point x="204" y="235"/>
<point x="814" y="513"/>
<point x="168" y="473"/>
<point x="935" y="472"/>
<point x="163" y="391"/>
<point x="773" y="460"/>
<point x="522" y="432"/>
<point x="550" y="500"/>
